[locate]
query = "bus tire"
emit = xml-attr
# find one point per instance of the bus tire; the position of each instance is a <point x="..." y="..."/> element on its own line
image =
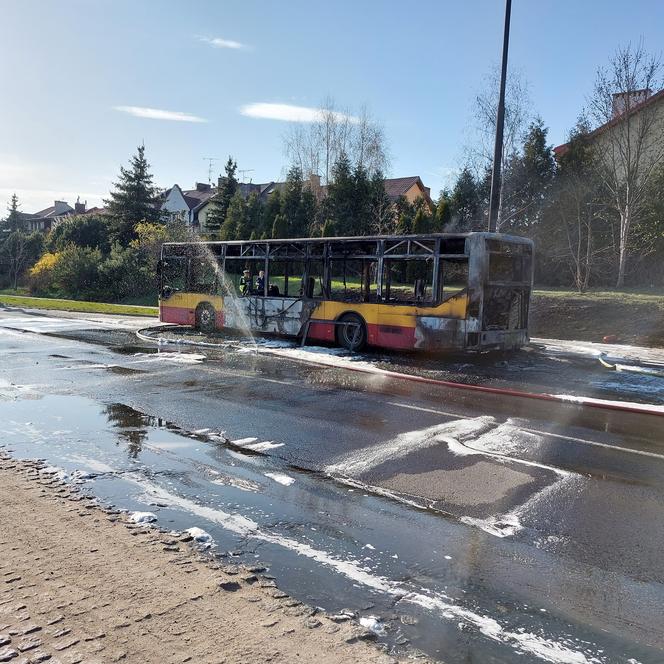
<point x="352" y="336"/>
<point x="205" y="317"/>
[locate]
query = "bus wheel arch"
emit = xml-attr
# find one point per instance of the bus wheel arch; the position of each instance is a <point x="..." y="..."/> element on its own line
<point x="352" y="337"/>
<point x="206" y="317"/>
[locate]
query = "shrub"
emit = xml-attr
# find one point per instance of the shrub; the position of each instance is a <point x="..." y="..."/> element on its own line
<point x="124" y="274"/>
<point x="89" y="230"/>
<point x="40" y="275"/>
<point x="76" y="272"/>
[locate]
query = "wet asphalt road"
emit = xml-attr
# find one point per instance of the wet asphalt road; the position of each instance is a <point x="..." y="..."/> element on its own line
<point x="472" y="527"/>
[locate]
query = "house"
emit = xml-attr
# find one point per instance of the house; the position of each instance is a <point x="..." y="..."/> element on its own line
<point x="48" y="218"/>
<point x="410" y="188"/>
<point x="637" y="105"/>
<point x="263" y="192"/>
<point x="44" y="220"/>
<point x="185" y="205"/>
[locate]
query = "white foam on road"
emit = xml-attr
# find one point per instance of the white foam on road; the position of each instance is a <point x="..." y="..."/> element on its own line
<point x="286" y="480"/>
<point x="645" y="408"/>
<point x="549" y="650"/>
<point x="254" y="445"/>
<point x="46" y="324"/>
<point x="262" y="447"/>
<point x="93" y="464"/>
<point x="507" y="525"/>
<point x="331" y="357"/>
<point x="244" y="441"/>
<point x="164" y="356"/>
<point x="363" y="460"/>
<point x="237" y="483"/>
<point x="142" y="517"/>
<point x="200" y="535"/>
<point x="505" y="443"/>
<point x="504" y="525"/>
<point x="594" y="349"/>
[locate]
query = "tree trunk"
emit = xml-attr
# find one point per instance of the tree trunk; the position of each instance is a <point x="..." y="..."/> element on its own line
<point x="622" y="249"/>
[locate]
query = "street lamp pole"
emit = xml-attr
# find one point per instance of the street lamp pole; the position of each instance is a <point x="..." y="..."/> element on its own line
<point x="494" y="201"/>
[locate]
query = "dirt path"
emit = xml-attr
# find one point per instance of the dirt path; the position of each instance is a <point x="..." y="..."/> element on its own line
<point x="81" y="584"/>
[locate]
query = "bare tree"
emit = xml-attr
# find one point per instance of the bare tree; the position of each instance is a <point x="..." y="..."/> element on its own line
<point x="630" y="144"/>
<point x="15" y="251"/>
<point x="316" y="146"/>
<point x="517" y="116"/>
<point x="369" y="145"/>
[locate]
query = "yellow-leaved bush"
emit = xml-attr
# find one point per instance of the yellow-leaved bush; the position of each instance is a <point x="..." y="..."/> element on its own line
<point x="40" y="276"/>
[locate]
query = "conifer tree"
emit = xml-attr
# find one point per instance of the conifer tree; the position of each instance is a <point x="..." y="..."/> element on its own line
<point x="465" y="203"/>
<point x="254" y="212"/>
<point x="13" y="222"/>
<point x="291" y="199"/>
<point x="220" y="202"/>
<point x="280" y="227"/>
<point x="382" y="210"/>
<point x="443" y="215"/>
<point x="340" y="201"/>
<point x="270" y="211"/>
<point x="421" y="221"/>
<point x="133" y="200"/>
<point x="235" y="224"/>
<point x="528" y="177"/>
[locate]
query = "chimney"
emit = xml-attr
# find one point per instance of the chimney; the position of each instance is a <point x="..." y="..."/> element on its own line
<point x="221" y="180"/>
<point x="626" y="101"/>
<point x="79" y="208"/>
<point x="61" y="207"/>
<point x="202" y="186"/>
<point x="314" y="182"/>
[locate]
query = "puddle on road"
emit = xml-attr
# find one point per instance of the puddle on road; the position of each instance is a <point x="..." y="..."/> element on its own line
<point x="413" y="575"/>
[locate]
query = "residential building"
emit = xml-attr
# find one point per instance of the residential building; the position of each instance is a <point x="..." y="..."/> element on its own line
<point x="410" y="188"/>
<point x="644" y="110"/>
<point x="185" y="205"/>
<point x="46" y="219"/>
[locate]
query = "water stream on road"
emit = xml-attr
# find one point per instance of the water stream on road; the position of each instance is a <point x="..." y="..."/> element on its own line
<point x="415" y="577"/>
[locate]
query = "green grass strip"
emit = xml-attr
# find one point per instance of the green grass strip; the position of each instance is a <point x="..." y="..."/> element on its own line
<point x="77" y="305"/>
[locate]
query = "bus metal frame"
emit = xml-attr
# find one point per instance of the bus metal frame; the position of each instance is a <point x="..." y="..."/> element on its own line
<point x="491" y="312"/>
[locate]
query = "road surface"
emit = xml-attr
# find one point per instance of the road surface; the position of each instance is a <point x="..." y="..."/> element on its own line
<point x="471" y="527"/>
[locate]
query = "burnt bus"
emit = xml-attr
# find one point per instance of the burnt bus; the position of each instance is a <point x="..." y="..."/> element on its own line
<point x="442" y="291"/>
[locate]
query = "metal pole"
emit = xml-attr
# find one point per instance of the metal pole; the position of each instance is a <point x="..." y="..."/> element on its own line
<point x="494" y="202"/>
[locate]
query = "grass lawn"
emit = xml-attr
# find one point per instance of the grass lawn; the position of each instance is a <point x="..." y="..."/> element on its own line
<point x="653" y="296"/>
<point x="76" y="305"/>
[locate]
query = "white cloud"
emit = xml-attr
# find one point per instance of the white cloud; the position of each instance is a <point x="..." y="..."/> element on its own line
<point x="289" y="112"/>
<point x="159" y="114"/>
<point x="218" y="42"/>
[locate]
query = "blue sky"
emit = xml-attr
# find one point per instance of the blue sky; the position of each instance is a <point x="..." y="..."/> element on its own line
<point x="67" y="65"/>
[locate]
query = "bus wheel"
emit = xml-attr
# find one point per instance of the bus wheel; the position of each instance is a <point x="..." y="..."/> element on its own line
<point x="205" y="317"/>
<point x="352" y="335"/>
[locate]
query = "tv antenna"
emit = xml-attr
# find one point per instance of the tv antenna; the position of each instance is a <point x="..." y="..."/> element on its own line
<point x="243" y="171"/>
<point x="210" y="161"/>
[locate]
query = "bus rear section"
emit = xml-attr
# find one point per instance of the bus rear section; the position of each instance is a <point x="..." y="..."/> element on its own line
<point x="505" y="270"/>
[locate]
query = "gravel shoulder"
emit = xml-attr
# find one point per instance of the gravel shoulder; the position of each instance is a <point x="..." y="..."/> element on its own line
<point x="79" y="583"/>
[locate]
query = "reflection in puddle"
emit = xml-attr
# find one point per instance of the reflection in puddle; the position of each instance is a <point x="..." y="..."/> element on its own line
<point x="131" y="426"/>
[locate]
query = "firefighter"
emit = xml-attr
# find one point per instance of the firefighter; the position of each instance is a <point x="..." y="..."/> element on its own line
<point x="260" y="283"/>
<point x="245" y="283"/>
